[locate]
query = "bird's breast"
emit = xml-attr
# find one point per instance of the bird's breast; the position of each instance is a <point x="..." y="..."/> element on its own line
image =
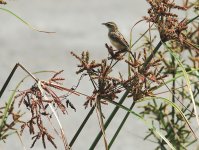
<point x="117" y="45"/>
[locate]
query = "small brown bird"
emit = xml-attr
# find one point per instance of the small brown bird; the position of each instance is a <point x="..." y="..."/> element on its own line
<point x="116" y="38"/>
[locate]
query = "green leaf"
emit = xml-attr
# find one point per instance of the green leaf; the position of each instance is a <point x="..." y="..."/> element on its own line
<point x="186" y="79"/>
<point x="156" y="132"/>
<point x="173" y="105"/>
<point x="23" y="21"/>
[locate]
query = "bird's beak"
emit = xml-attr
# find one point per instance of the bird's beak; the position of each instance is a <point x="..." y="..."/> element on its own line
<point x="104" y="24"/>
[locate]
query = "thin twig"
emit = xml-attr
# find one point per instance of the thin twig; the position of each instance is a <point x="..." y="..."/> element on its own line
<point x="101" y="122"/>
<point x="109" y="120"/>
<point x="57" y="118"/>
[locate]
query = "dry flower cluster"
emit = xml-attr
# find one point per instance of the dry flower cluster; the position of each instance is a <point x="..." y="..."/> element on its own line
<point x="35" y="102"/>
<point x="167" y="22"/>
<point x="106" y="87"/>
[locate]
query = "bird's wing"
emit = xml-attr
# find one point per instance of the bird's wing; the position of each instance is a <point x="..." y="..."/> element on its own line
<point x="118" y="37"/>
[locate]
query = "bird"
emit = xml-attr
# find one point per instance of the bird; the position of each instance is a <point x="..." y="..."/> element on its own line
<point x="116" y="38"/>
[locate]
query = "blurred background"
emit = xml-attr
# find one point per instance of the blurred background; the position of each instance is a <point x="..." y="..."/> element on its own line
<point x="78" y="27"/>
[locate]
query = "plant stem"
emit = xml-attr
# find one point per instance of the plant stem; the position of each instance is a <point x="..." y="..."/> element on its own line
<point x="191" y="20"/>
<point x="109" y="120"/>
<point x="8" y="80"/>
<point x="120" y="126"/>
<point x="101" y="122"/>
<point x="81" y="126"/>
<point x="173" y="89"/>
<point x="152" y="55"/>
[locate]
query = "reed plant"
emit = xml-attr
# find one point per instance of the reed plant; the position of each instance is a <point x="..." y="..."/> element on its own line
<point x="169" y="60"/>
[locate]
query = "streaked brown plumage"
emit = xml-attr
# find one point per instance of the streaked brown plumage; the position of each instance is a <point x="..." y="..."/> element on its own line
<point x="116" y="38"/>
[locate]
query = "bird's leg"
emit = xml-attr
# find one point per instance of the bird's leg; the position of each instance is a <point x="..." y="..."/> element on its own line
<point x="114" y="55"/>
<point x="126" y="50"/>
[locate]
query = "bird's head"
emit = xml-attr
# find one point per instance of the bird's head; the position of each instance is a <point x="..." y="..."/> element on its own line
<point x="111" y="26"/>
